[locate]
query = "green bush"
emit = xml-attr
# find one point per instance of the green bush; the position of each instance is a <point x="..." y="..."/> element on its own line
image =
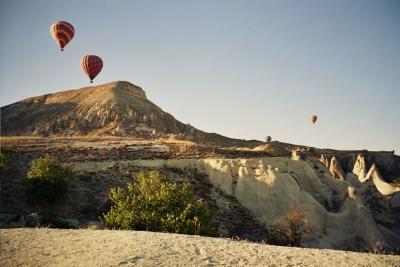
<point x="4" y="154"/>
<point x="154" y="204"/>
<point x="48" y="180"/>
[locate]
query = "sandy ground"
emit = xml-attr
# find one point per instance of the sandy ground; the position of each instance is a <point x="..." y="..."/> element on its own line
<point x="53" y="247"/>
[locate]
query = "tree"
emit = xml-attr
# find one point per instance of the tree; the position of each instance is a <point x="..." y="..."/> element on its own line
<point x="154" y="204"/>
<point x="268" y="139"/>
<point x="291" y="229"/>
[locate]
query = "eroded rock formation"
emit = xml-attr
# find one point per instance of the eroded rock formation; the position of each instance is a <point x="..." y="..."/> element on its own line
<point x="298" y="155"/>
<point x="324" y="160"/>
<point x="360" y="168"/>
<point x="336" y="169"/>
<point x="384" y="188"/>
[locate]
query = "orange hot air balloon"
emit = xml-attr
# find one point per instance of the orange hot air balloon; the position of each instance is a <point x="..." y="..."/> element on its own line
<point x="313" y="118"/>
<point x="92" y="66"/>
<point x="62" y="32"/>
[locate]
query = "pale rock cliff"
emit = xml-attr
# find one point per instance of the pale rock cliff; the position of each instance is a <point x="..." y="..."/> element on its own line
<point x="383" y="187"/>
<point x="360" y="168"/>
<point x="336" y="169"/>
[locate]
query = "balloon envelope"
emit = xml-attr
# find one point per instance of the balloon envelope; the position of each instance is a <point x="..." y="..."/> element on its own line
<point x="91" y="66"/>
<point x="62" y="32"/>
<point x="313" y="118"/>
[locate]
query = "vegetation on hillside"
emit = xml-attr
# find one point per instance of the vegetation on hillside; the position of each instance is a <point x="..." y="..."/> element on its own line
<point x="3" y="161"/>
<point x="4" y="154"/>
<point x="152" y="203"/>
<point x="48" y="180"/>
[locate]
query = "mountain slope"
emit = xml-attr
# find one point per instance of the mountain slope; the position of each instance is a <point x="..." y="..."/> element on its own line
<point x="116" y="108"/>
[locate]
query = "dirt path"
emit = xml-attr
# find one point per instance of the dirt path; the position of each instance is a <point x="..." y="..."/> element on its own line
<point x="53" y="247"/>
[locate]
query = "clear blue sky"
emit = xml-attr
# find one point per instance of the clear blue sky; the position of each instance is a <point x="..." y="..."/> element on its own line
<point x="244" y="69"/>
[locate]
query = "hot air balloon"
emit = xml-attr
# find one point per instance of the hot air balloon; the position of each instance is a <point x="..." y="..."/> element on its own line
<point x="313" y="118"/>
<point x="62" y="32"/>
<point x="92" y="66"/>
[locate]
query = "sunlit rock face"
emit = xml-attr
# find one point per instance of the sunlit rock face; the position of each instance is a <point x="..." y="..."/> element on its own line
<point x="384" y="188"/>
<point x="359" y="168"/>
<point x="324" y="160"/>
<point x="336" y="169"/>
<point x="298" y="155"/>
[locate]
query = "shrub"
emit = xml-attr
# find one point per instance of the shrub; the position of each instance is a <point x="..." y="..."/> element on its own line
<point x="291" y="229"/>
<point x="154" y="204"/>
<point x="3" y="161"/>
<point x="47" y="180"/>
<point x="93" y="226"/>
<point x="4" y="152"/>
<point x="375" y="246"/>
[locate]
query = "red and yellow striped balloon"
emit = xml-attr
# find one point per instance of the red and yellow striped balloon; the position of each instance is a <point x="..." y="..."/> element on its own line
<point x="62" y="32"/>
<point x="91" y="65"/>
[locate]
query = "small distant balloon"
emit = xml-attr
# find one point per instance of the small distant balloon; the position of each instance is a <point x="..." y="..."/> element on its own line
<point x="313" y="118"/>
<point x="91" y="66"/>
<point x="62" y="32"/>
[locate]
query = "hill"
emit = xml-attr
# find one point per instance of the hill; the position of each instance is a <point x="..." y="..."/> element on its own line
<point x="117" y="109"/>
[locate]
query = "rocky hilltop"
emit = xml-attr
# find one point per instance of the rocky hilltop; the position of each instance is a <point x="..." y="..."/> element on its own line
<point x="117" y="108"/>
